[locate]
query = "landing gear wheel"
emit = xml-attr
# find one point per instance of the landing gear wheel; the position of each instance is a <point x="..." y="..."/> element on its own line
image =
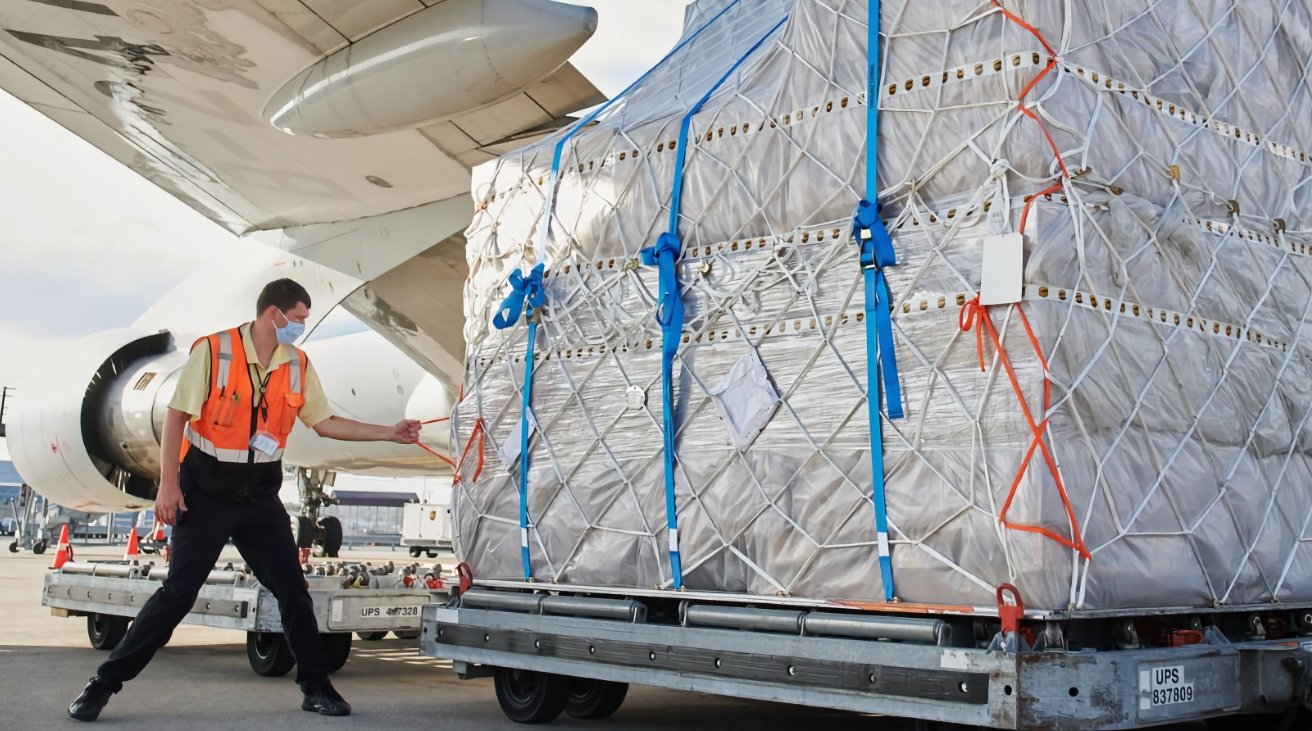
<point x="303" y="530"/>
<point x="269" y="654"/>
<point x="531" y="697"/>
<point x="13" y="547"/>
<point x="337" y="645"/>
<point x="106" y="630"/>
<point x="406" y="634"/>
<point x="415" y="551"/>
<point x="332" y="536"/>
<point x="39" y="547"/>
<point x="371" y="636"/>
<point x="593" y="699"/>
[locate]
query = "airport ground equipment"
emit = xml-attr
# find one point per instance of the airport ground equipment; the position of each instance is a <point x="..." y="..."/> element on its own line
<point x="29" y="528"/>
<point x="848" y="315"/>
<point x="573" y="650"/>
<point x="426" y="528"/>
<point x="349" y="598"/>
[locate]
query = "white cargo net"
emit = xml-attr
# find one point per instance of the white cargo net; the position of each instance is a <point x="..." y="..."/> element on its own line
<point x="1157" y="152"/>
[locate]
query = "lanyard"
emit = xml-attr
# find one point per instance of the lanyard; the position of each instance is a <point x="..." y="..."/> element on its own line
<point x="264" y="385"/>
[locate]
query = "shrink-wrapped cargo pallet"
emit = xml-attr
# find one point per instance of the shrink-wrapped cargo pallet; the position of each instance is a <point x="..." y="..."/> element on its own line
<point x="1131" y="432"/>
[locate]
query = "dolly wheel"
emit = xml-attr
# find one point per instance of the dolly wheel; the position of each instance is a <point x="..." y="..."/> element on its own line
<point x="269" y="654"/>
<point x="106" y="630"/>
<point x="592" y="699"/>
<point x="531" y="697"/>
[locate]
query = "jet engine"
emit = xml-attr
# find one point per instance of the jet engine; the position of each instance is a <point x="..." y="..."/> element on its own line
<point x="86" y="433"/>
<point x="87" y="430"/>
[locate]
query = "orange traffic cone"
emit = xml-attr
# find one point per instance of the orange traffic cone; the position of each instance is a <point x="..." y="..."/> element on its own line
<point x="133" y="550"/>
<point x="159" y="531"/>
<point x="64" y="553"/>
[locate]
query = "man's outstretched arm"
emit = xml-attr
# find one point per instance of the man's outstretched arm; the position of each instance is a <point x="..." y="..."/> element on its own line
<point x="349" y="430"/>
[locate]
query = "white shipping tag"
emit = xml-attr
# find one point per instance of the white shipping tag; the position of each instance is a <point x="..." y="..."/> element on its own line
<point x="509" y="449"/>
<point x="1003" y="271"/>
<point x="746" y="400"/>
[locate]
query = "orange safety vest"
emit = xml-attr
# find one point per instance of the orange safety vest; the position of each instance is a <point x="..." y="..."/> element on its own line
<point x="232" y="412"/>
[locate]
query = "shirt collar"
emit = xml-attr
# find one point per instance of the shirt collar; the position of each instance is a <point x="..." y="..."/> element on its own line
<point x="281" y="354"/>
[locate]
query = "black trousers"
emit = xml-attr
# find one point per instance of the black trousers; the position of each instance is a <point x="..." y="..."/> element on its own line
<point x="261" y="530"/>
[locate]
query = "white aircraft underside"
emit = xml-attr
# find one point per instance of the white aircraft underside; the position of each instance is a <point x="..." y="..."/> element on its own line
<point x="339" y="137"/>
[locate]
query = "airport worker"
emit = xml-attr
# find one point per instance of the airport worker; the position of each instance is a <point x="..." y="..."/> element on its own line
<point x="237" y="399"/>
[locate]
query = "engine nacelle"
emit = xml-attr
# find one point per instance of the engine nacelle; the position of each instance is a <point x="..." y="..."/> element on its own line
<point x="86" y="433"/>
<point x="87" y="430"/>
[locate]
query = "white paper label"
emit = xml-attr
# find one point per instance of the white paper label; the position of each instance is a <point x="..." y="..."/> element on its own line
<point x="1163" y="686"/>
<point x="635" y="397"/>
<point x="674" y="541"/>
<point x="954" y="660"/>
<point x="509" y="449"/>
<point x="1003" y="269"/>
<point x="337" y="610"/>
<point x="883" y="545"/>
<point x="448" y="616"/>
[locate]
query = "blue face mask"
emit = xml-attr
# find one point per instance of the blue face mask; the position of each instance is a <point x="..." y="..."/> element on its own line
<point x="289" y="333"/>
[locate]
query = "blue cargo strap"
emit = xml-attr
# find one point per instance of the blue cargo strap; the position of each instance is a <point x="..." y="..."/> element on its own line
<point x="529" y="288"/>
<point x="876" y="245"/>
<point x="545" y="225"/>
<point x="526" y="296"/>
<point x="665" y="254"/>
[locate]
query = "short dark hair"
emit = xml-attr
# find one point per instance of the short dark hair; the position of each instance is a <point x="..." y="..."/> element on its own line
<point x="281" y="293"/>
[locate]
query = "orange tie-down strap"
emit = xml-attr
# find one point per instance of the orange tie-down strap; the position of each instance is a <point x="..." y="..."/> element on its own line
<point x="449" y="462"/>
<point x="458" y="465"/>
<point x="1024" y="108"/>
<point x="975" y="316"/>
<point x="477" y="436"/>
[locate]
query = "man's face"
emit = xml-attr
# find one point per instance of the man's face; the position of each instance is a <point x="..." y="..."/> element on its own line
<point x="299" y="313"/>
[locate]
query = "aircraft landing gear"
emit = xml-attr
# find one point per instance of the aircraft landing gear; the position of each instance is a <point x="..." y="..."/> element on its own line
<point x="311" y="531"/>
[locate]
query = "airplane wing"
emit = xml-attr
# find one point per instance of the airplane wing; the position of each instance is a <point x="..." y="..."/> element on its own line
<point x="177" y="90"/>
<point x="382" y="108"/>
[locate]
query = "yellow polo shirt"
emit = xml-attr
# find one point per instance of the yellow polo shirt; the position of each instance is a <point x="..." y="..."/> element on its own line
<point x="194" y="383"/>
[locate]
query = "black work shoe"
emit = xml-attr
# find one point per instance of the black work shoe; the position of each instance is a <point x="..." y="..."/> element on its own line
<point x="87" y="706"/>
<point x="326" y="701"/>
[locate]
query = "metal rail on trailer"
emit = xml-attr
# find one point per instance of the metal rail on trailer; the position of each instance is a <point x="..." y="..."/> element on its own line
<point x="552" y="652"/>
<point x="348" y="599"/>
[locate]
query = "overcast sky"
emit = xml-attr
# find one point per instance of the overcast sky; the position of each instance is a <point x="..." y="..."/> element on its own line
<point x="87" y="245"/>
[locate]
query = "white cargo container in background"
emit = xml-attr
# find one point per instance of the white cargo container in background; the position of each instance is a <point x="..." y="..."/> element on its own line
<point x="426" y="527"/>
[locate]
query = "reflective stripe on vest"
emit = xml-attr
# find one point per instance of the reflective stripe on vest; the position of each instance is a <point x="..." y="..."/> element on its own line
<point x="226" y="455"/>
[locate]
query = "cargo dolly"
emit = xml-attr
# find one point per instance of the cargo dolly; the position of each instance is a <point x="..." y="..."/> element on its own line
<point x="348" y="599"/>
<point x="554" y="649"/>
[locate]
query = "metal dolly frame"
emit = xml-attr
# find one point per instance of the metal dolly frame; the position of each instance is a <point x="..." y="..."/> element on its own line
<point x="866" y="662"/>
<point x="110" y="594"/>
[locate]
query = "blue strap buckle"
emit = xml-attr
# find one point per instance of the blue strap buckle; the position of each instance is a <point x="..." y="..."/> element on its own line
<point x="665" y="255"/>
<point x="872" y="236"/>
<point x="523" y="289"/>
<point x="877" y="253"/>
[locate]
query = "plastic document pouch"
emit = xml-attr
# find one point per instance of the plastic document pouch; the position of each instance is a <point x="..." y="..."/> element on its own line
<point x="264" y="443"/>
